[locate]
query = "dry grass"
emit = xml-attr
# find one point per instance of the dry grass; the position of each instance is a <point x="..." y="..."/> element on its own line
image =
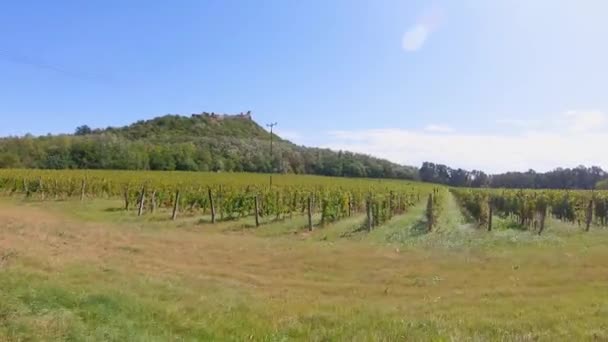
<point x="208" y="283"/>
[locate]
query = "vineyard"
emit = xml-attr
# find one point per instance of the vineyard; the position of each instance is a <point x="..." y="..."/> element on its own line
<point x="115" y="255"/>
<point x="529" y="208"/>
<point x="323" y="200"/>
<point x="226" y="196"/>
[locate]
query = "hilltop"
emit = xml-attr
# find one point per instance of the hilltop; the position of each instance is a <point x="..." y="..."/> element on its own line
<point x="199" y="142"/>
<point x="172" y="127"/>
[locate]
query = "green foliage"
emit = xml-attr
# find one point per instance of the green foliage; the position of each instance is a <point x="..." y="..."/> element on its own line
<point x="529" y="207"/>
<point x="203" y="142"/>
<point x="233" y="194"/>
<point x="434" y="207"/>
<point x="83" y="130"/>
<point x="580" y="177"/>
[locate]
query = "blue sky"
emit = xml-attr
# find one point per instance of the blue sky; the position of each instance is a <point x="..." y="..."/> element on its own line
<point x="496" y="85"/>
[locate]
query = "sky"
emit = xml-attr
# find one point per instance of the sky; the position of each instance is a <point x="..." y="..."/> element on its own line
<point x="492" y="85"/>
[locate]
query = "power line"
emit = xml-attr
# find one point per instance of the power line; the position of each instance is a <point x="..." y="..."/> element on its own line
<point x="25" y="60"/>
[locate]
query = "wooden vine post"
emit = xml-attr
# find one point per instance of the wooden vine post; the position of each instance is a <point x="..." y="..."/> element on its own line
<point x="26" y="188"/>
<point x="153" y="202"/>
<point x="175" y="206"/>
<point x="310" y="227"/>
<point x="589" y="216"/>
<point x="390" y="205"/>
<point x="324" y="205"/>
<point x="126" y="197"/>
<point x="257" y="211"/>
<point x="142" y="200"/>
<point x="399" y="204"/>
<point x="220" y="202"/>
<point x="40" y="188"/>
<point x="490" y="209"/>
<point x="350" y="206"/>
<point x="429" y="213"/>
<point x="212" y="205"/>
<point x="543" y="216"/>
<point x="368" y="208"/>
<point x="83" y="188"/>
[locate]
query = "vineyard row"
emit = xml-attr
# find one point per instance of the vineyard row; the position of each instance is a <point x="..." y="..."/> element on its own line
<point x="529" y="208"/>
<point x="379" y="202"/>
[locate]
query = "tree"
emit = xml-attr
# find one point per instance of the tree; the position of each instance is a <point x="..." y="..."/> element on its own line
<point x="479" y="179"/>
<point x="83" y="130"/>
<point x="161" y="158"/>
<point x="459" y="177"/>
<point x="602" y="185"/>
<point x="9" y="160"/>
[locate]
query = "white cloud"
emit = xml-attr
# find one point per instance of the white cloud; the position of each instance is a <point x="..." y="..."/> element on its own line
<point x="415" y="37"/>
<point x="439" y="128"/>
<point x="426" y="23"/>
<point x="582" y="121"/>
<point x="542" y="150"/>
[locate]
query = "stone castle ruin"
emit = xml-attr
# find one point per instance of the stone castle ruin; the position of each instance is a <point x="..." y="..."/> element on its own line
<point x="219" y="117"/>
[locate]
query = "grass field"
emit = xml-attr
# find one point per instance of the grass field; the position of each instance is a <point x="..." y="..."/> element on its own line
<point x="87" y="271"/>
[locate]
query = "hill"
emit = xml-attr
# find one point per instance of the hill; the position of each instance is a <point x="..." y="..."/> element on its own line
<point x="200" y="142"/>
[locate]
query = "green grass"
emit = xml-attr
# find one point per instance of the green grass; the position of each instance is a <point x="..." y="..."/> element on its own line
<point x="346" y="228"/>
<point x="81" y="272"/>
<point x="70" y="308"/>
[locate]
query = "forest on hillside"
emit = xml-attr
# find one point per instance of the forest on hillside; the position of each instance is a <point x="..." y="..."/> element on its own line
<point x="201" y="142"/>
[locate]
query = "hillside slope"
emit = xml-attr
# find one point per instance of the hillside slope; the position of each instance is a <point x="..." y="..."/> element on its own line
<point x="200" y="142"/>
<point x="205" y="125"/>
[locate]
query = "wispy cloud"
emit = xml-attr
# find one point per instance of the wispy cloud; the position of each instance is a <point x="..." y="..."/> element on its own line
<point x="426" y="23"/>
<point x="569" y="140"/>
<point x="582" y="121"/>
<point x="438" y="128"/>
<point x="415" y="37"/>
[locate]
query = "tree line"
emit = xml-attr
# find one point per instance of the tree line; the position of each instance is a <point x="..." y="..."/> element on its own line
<point x="580" y="177"/>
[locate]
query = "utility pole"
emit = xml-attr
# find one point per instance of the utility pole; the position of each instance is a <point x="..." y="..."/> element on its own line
<point x="271" y="125"/>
